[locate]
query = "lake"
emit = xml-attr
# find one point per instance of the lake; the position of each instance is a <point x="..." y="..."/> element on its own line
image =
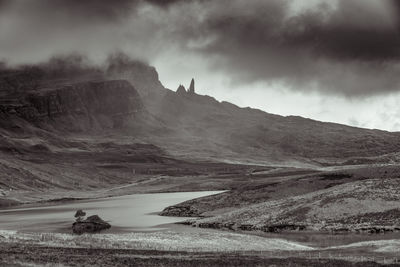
<point x="136" y="212"/>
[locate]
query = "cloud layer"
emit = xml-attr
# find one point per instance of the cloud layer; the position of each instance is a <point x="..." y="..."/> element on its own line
<point x="351" y="48"/>
<point x="343" y="47"/>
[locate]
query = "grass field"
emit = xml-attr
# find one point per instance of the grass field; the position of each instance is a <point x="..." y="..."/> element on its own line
<point x="50" y="256"/>
<point x="187" y="248"/>
<point x="165" y="240"/>
<point x="19" y="254"/>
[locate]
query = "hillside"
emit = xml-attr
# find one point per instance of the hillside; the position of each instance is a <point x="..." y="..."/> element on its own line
<point x="70" y="128"/>
<point x="359" y="199"/>
<point x="68" y="138"/>
<point x="370" y="205"/>
<point x="184" y="123"/>
<point x="199" y="126"/>
<point x="230" y="132"/>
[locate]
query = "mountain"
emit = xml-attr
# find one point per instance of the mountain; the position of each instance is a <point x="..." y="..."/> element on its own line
<point x="128" y="97"/>
<point x="226" y="131"/>
<point x="69" y="130"/>
<point x="198" y="126"/>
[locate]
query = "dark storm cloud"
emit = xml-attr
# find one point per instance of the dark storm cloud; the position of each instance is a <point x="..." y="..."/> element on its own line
<point x="80" y="9"/>
<point x="346" y="34"/>
<point x="108" y="10"/>
<point x="3" y="3"/>
<point x="164" y="3"/>
<point x="345" y="47"/>
<point x="352" y="48"/>
<point x="35" y="30"/>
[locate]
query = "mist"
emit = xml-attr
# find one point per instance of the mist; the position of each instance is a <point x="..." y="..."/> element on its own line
<point x="332" y="51"/>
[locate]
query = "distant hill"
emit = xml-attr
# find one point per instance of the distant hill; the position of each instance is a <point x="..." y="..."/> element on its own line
<point x="227" y="130"/>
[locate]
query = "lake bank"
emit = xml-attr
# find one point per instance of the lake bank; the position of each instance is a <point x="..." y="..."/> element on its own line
<point x="129" y="212"/>
<point x="160" y="235"/>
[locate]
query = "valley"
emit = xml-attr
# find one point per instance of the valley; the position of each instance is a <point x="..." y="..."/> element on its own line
<point x="82" y="133"/>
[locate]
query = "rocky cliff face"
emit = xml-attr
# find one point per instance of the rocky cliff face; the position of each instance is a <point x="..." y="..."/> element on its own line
<point x="80" y="105"/>
<point x="143" y="77"/>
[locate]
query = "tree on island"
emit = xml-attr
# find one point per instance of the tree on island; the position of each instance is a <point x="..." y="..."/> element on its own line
<point x="80" y="215"/>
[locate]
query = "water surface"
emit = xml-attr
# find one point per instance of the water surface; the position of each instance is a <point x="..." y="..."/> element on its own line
<point x="136" y="212"/>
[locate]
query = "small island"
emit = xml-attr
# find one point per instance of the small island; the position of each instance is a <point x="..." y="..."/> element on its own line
<point x="92" y="224"/>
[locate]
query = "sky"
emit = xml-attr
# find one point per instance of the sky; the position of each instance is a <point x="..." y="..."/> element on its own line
<point x="329" y="60"/>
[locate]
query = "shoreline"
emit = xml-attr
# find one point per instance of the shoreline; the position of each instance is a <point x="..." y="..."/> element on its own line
<point x="244" y="246"/>
<point x="68" y="200"/>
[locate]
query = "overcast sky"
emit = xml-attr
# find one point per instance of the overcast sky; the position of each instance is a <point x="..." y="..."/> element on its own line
<point x="330" y="60"/>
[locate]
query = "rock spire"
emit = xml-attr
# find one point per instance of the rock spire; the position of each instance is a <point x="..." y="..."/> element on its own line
<point x="181" y="89"/>
<point x="191" y="87"/>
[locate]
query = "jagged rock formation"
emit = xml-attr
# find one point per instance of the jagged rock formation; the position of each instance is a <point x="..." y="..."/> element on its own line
<point x="191" y="87"/>
<point x="181" y="90"/>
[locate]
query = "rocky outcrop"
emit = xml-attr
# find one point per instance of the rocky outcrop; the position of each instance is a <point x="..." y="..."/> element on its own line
<point x="278" y="228"/>
<point x="180" y="211"/>
<point x="191" y="87"/>
<point x="92" y="224"/>
<point x="101" y="103"/>
<point x="181" y="90"/>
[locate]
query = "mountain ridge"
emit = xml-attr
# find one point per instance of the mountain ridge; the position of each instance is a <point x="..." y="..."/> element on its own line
<point x="200" y="127"/>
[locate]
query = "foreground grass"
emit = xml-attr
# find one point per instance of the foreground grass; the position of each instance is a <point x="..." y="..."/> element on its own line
<point x="17" y="254"/>
<point x="171" y="248"/>
<point x="165" y="240"/>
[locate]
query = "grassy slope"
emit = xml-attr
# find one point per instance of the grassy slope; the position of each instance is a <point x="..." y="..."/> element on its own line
<point x="100" y="165"/>
<point x="277" y="184"/>
<point x="229" y="131"/>
<point x="353" y="206"/>
<point x="347" y="199"/>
